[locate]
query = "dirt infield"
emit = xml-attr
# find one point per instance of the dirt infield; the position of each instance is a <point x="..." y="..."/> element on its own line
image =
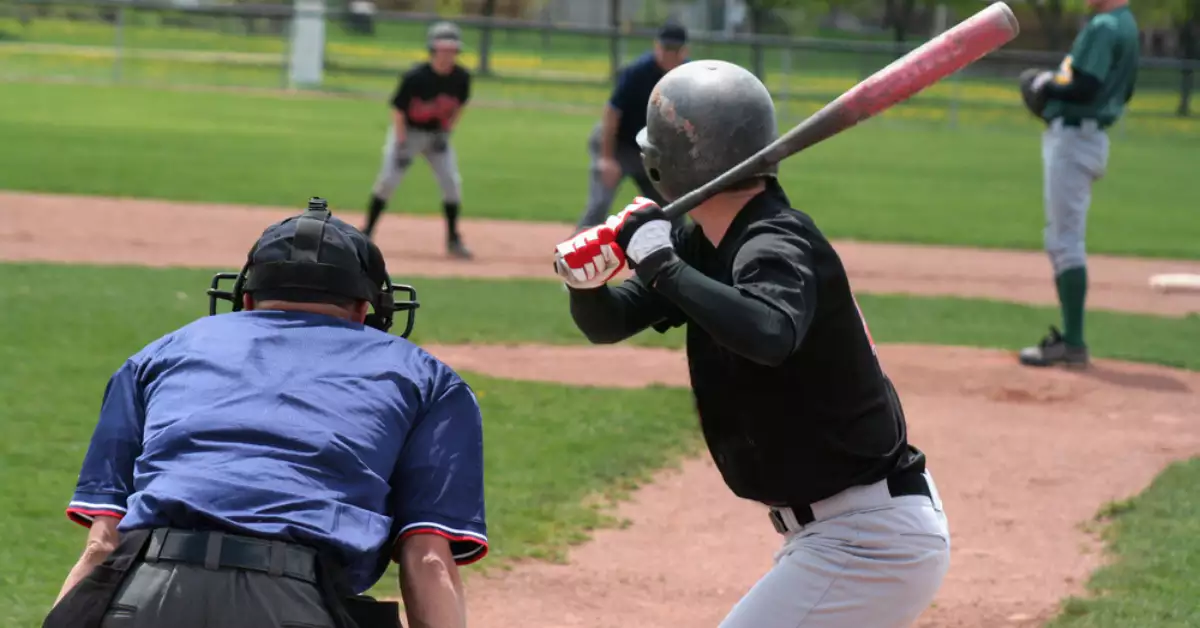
<point x="128" y="231"/>
<point x="1021" y="456"/>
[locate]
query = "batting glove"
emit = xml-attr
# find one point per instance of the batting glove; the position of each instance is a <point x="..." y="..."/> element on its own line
<point x="644" y="234"/>
<point x="589" y="259"/>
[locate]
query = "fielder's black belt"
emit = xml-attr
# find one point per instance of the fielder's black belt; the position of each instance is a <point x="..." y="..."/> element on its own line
<point x="911" y="482"/>
<point x="216" y="550"/>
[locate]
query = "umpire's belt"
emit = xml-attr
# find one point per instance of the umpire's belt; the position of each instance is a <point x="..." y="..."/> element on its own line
<point x="792" y="518"/>
<point x="217" y="550"/>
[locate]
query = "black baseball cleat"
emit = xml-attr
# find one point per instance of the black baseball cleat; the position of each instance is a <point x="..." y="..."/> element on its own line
<point x="456" y="248"/>
<point x="1052" y="351"/>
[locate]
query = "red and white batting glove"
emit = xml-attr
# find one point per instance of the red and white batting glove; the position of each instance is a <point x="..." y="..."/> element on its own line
<point x="589" y="259"/>
<point x="593" y="257"/>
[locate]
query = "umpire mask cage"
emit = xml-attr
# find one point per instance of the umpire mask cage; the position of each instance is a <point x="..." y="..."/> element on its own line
<point x="302" y="272"/>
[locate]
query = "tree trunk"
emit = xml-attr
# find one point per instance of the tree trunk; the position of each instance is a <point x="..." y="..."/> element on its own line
<point x="1050" y="18"/>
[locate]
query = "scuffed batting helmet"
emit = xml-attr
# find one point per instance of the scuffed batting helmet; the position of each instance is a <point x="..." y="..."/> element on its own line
<point x="444" y="31"/>
<point x="703" y="118"/>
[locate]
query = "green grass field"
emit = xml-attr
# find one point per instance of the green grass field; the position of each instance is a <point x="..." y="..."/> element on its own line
<point x="543" y="465"/>
<point x="890" y="179"/>
<point x="908" y="176"/>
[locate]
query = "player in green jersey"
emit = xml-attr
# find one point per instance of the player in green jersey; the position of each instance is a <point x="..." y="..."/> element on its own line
<point x="1085" y="96"/>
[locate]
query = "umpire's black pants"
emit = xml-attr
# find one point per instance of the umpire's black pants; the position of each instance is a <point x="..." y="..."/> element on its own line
<point x="174" y="588"/>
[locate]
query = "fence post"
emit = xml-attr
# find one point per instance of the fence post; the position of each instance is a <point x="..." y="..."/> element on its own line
<point x="119" y="44"/>
<point x="614" y="45"/>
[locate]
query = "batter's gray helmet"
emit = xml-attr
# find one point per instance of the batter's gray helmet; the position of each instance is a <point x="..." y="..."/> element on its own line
<point x="443" y="31"/>
<point x="703" y="118"/>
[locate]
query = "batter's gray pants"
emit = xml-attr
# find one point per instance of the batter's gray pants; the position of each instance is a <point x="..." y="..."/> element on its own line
<point x="1072" y="158"/>
<point x="398" y="158"/>
<point x="179" y="595"/>
<point x="869" y="560"/>
<point x="600" y="196"/>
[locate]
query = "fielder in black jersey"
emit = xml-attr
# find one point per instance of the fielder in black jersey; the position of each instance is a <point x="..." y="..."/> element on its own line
<point x="794" y="405"/>
<point x="426" y="107"/>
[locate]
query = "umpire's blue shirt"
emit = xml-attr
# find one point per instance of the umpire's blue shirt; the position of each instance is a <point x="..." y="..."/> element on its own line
<point x="290" y="425"/>
<point x="631" y="94"/>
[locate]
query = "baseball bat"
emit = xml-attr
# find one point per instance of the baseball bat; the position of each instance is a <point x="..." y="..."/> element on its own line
<point x="934" y="60"/>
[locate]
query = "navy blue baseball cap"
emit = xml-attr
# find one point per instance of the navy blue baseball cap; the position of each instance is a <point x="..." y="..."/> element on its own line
<point x="672" y="36"/>
<point x="314" y="257"/>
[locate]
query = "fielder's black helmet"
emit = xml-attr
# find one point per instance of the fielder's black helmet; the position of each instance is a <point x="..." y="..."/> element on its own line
<point x="311" y="258"/>
<point x="703" y="118"/>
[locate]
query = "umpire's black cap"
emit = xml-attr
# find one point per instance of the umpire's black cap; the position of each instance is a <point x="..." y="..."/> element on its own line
<point x="314" y="257"/>
<point x="672" y="36"/>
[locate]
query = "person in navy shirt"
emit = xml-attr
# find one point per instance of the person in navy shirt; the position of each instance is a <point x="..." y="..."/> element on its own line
<point x="612" y="147"/>
<point x="293" y="435"/>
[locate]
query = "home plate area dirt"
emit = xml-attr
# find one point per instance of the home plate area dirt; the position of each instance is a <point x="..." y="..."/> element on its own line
<point x="1022" y="457"/>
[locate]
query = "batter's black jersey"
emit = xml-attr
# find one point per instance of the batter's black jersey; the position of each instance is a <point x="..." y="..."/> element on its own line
<point x="429" y="100"/>
<point x="793" y="402"/>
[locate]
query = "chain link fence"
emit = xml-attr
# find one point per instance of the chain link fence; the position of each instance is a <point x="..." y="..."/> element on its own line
<point x="521" y="63"/>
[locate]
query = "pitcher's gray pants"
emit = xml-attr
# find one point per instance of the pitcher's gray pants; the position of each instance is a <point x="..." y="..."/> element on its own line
<point x="1072" y="159"/>
<point x="869" y="560"/>
<point x="397" y="158"/>
<point x="600" y="196"/>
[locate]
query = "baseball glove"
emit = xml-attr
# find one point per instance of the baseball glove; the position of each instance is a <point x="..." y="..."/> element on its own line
<point x="1032" y="80"/>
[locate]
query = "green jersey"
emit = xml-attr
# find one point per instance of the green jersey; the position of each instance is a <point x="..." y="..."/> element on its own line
<point x="1107" y="48"/>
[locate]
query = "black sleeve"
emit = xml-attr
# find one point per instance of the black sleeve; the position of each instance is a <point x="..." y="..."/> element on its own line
<point x="403" y="94"/>
<point x="1083" y="88"/>
<point x="608" y="315"/>
<point x="466" y="88"/>
<point x="764" y="315"/>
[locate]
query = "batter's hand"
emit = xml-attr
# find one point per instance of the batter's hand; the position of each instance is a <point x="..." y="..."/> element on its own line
<point x="589" y="259"/>
<point x="642" y="229"/>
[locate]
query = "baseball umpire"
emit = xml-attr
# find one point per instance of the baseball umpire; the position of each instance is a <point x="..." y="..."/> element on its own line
<point x="612" y="147"/>
<point x="1086" y="95"/>
<point x="793" y="403"/>
<point x="426" y="106"/>
<point x="262" y="467"/>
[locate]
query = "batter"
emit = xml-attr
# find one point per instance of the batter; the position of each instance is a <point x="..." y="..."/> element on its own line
<point x="1086" y="95"/>
<point x="794" y="405"/>
<point x="426" y="107"/>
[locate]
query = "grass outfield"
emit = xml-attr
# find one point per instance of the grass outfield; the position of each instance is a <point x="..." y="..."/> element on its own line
<point x="1155" y="580"/>
<point x="541" y="466"/>
<point x="969" y="185"/>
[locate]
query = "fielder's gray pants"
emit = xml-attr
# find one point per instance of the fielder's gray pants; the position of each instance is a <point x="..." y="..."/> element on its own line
<point x="600" y="196"/>
<point x="397" y="158"/>
<point x="869" y="560"/>
<point x="1072" y="158"/>
<point x="178" y="595"/>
